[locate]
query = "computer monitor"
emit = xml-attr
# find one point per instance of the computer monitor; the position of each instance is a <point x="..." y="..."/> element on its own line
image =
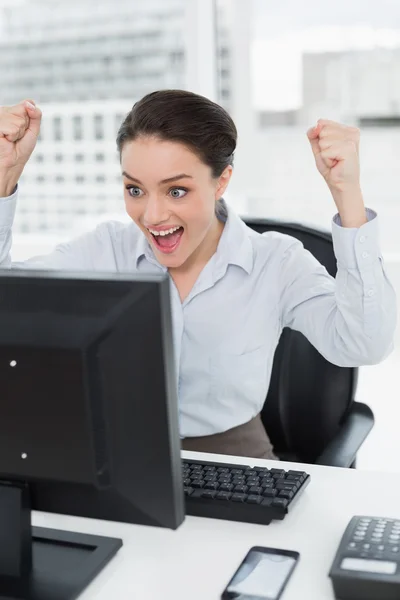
<point x="88" y="420"/>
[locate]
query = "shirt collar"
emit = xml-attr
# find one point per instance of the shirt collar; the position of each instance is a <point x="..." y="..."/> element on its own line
<point x="234" y="247"/>
<point x="144" y="250"/>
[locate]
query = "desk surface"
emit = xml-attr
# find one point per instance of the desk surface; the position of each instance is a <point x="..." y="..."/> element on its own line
<point x="198" y="559"/>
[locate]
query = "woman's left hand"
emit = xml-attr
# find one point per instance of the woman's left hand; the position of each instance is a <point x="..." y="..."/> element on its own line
<point x="336" y="152"/>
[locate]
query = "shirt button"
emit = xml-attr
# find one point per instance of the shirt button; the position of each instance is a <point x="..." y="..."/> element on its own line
<point x="362" y="239"/>
<point x="365" y="255"/>
<point x="370" y="293"/>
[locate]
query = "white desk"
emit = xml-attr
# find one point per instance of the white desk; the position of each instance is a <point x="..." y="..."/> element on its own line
<point x="196" y="561"/>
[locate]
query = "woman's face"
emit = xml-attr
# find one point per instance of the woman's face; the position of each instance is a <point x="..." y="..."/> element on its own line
<point x="170" y="194"/>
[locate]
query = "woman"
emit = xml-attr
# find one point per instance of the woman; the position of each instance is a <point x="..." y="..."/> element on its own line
<point x="233" y="290"/>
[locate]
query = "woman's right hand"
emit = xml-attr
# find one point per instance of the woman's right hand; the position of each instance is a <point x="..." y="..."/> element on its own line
<point x="19" y="130"/>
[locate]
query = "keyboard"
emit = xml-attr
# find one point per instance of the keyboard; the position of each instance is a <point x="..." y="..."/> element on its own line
<point x="240" y="492"/>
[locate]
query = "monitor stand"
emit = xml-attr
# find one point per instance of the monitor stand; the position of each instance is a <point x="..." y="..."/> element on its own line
<point x="37" y="563"/>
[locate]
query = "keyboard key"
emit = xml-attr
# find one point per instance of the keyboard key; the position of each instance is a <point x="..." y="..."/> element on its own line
<point x="241" y="489"/>
<point x="293" y="482"/>
<point x="198" y="483"/>
<point x="255" y="490"/>
<point x="267" y="479"/>
<point x="266" y="502"/>
<point x="211" y="485"/>
<point x="238" y="497"/>
<point x="226" y="487"/>
<point x="209" y="494"/>
<point x="211" y="477"/>
<point x="294" y="477"/>
<point x="253" y="481"/>
<point x="188" y="491"/>
<point x="286" y="494"/>
<point x="279" y="471"/>
<point x="224" y="477"/>
<point x="297" y="475"/>
<point x="239" y="480"/>
<point x="268" y="484"/>
<point x="252" y="478"/>
<point x="250" y="472"/>
<point x="223" y="496"/>
<point x="262" y="471"/>
<point x="269" y="493"/>
<point x="209" y="468"/>
<point x="253" y="499"/>
<point x="223" y="470"/>
<point x="283" y="486"/>
<point x="237" y="471"/>
<point x="280" y="502"/>
<point x="187" y="482"/>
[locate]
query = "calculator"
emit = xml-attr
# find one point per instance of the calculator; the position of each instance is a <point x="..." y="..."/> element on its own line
<point x="367" y="562"/>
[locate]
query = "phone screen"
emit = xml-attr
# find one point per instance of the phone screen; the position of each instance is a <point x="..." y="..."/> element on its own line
<point x="262" y="575"/>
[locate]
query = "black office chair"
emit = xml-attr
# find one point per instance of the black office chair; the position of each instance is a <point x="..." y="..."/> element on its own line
<point x="310" y="413"/>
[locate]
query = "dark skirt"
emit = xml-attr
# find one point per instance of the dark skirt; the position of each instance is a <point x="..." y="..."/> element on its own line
<point x="249" y="439"/>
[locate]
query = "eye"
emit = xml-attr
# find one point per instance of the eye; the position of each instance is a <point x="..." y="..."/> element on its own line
<point x="134" y="191"/>
<point x="178" y="193"/>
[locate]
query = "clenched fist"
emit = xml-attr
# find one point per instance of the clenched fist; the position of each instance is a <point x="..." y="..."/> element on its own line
<point x="19" y="130"/>
<point x="336" y="152"/>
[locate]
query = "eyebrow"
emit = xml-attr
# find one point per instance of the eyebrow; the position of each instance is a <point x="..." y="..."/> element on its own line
<point x="168" y="180"/>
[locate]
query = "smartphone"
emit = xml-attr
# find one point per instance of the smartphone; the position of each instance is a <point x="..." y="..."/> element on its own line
<point x="262" y="575"/>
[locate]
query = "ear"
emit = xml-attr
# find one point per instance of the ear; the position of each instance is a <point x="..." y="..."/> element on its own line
<point x="223" y="181"/>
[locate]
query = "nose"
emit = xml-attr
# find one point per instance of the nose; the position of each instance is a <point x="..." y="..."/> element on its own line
<point x="156" y="211"/>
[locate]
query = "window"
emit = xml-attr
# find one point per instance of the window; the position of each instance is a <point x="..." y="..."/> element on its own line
<point x="322" y="62"/>
<point x="98" y="127"/>
<point x="276" y="67"/>
<point x="57" y="129"/>
<point x="77" y="127"/>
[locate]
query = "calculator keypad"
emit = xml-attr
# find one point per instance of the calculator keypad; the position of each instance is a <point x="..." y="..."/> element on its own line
<point x="375" y="538"/>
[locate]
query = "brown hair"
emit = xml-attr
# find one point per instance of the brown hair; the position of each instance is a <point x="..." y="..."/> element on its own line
<point x="180" y="116"/>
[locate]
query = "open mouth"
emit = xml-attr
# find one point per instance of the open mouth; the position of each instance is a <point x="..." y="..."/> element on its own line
<point x="167" y="242"/>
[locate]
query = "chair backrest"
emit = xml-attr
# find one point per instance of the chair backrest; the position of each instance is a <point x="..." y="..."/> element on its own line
<point x="308" y="397"/>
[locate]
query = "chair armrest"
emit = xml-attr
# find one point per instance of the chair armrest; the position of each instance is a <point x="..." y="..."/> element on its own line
<point x="342" y="449"/>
